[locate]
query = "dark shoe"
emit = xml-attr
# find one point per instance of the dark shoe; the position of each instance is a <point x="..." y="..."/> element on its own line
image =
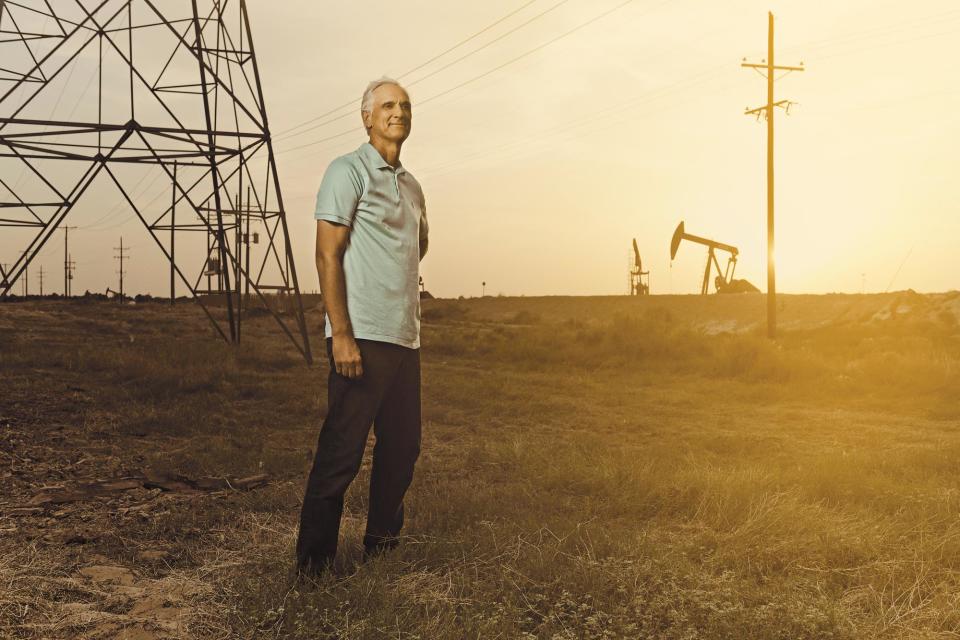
<point x="314" y="567"/>
<point x="382" y="546"/>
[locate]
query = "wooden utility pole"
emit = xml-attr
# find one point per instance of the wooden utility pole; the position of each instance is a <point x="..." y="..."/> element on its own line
<point x="66" y="261"/>
<point x="767" y="110"/>
<point x="246" y="241"/>
<point x="41" y="281"/>
<point x="121" y="257"/>
<point x="26" y="277"/>
<point x="173" y="225"/>
<point x="71" y="267"/>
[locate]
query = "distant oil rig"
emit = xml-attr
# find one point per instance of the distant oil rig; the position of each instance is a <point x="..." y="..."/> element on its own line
<point x="724" y="281"/>
<point x="639" y="279"/>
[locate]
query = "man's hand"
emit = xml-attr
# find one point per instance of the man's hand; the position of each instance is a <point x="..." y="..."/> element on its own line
<point x="346" y="357"/>
<point x="332" y="241"/>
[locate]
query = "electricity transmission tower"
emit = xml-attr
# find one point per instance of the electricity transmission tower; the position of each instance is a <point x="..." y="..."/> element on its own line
<point x="175" y="98"/>
<point x="767" y="69"/>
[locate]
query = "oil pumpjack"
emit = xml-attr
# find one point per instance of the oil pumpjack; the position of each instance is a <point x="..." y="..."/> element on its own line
<point x="724" y="281"/>
<point x="639" y="279"/>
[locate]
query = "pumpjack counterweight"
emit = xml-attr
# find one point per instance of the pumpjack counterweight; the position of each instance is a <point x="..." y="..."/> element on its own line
<point x="179" y="98"/>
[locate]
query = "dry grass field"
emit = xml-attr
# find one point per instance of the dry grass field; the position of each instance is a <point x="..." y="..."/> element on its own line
<point x="591" y="468"/>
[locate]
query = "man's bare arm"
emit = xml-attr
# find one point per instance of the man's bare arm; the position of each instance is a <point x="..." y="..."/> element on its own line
<point x="332" y="241"/>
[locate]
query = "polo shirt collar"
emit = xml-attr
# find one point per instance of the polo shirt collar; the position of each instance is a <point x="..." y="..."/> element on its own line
<point x="375" y="160"/>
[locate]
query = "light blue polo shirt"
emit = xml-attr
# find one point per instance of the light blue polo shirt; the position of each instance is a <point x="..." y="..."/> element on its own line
<point x="387" y="215"/>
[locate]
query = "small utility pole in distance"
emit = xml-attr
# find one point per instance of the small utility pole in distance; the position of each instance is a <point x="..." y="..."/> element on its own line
<point x="173" y="237"/>
<point x="26" y="278"/>
<point x="123" y="256"/>
<point x="67" y="269"/>
<point x="71" y="267"/>
<point x="767" y="110"/>
<point x="41" y="281"/>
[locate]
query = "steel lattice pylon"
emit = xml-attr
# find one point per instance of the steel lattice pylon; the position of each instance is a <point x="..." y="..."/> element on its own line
<point x="178" y="98"/>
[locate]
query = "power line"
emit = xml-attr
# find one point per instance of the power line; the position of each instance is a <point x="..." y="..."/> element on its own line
<point x="120" y="206"/>
<point x="484" y="74"/>
<point x="585" y="120"/>
<point x="897" y="272"/>
<point x="574" y="123"/>
<point x="352" y="102"/>
<point x="435" y="71"/>
<point x="531" y="51"/>
<point x="466" y="40"/>
<point x="491" y="151"/>
<point x="880" y="30"/>
<point x="691" y="81"/>
<point x="882" y="45"/>
<point x="485" y="45"/>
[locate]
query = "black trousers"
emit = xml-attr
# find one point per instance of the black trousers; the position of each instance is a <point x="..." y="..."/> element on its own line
<point x="388" y="396"/>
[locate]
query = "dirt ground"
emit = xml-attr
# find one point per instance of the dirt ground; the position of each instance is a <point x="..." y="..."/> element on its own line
<point x="85" y="473"/>
<point x="150" y="475"/>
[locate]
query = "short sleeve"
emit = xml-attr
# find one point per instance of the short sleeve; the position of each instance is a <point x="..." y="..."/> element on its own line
<point x="339" y="193"/>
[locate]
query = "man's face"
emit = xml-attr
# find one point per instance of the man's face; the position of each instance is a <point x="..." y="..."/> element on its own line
<point x="391" y="116"/>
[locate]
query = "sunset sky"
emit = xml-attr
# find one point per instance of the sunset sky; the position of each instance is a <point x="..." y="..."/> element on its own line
<point x="608" y="120"/>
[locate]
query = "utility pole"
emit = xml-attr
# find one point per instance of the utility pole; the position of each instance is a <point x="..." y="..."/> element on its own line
<point x="238" y="256"/>
<point x="71" y="267"/>
<point x="121" y="258"/>
<point x="246" y="242"/>
<point x="767" y="111"/>
<point x="67" y="275"/>
<point x="26" y="277"/>
<point x="173" y="226"/>
<point x="41" y="281"/>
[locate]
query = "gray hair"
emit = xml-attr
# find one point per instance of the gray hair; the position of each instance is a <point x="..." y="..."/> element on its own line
<point x="366" y="104"/>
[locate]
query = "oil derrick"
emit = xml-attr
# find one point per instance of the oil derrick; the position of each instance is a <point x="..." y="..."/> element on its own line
<point x="639" y="279"/>
<point x="103" y="99"/>
<point x="724" y="281"/>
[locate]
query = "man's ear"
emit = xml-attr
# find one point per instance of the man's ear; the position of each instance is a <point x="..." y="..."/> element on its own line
<point x="367" y="123"/>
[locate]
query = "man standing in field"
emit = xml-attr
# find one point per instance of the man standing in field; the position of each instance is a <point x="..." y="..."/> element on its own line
<point x="371" y="235"/>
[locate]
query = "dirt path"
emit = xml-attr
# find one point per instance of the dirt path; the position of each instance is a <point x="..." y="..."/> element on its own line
<point x="127" y="606"/>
